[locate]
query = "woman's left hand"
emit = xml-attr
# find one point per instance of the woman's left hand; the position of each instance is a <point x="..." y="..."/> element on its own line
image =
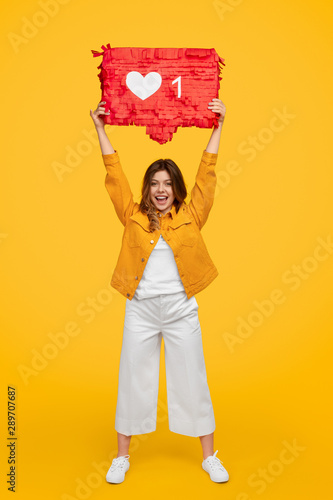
<point x="217" y="106"/>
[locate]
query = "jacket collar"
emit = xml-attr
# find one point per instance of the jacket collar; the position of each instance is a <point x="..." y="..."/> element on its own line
<point x="176" y="219"/>
<point x="171" y="213"/>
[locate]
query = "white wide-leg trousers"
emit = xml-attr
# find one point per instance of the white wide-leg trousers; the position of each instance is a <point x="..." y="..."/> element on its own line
<point x="190" y="410"/>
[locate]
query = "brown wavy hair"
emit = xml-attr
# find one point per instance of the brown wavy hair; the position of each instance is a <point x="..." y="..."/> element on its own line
<point x="178" y="186"/>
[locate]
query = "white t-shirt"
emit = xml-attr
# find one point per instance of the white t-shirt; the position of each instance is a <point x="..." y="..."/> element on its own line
<point x="161" y="274"/>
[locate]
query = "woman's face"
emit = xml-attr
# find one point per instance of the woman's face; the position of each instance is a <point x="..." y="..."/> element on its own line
<point x="161" y="192"/>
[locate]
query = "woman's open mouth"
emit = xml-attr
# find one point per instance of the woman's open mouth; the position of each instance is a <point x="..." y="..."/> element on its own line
<point x="161" y="200"/>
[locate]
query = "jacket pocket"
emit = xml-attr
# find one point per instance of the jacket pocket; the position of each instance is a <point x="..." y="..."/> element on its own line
<point x="186" y="234"/>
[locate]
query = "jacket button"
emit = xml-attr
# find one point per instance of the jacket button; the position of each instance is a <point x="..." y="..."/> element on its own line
<point x="152" y="241"/>
<point x="127" y="294"/>
<point x="142" y="260"/>
<point x="136" y="277"/>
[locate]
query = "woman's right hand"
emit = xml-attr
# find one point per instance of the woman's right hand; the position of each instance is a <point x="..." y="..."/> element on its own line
<point x="99" y="122"/>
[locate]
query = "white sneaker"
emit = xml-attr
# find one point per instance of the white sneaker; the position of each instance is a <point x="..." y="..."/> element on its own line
<point x="215" y="469"/>
<point x="119" y="466"/>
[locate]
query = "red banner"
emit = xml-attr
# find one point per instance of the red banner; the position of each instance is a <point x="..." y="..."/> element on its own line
<point x="162" y="89"/>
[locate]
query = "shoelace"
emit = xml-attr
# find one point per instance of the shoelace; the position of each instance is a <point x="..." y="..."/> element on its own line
<point x="215" y="462"/>
<point x="118" y="463"/>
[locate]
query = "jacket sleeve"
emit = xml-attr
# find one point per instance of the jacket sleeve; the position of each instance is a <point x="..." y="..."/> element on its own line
<point x="203" y="192"/>
<point x="118" y="187"/>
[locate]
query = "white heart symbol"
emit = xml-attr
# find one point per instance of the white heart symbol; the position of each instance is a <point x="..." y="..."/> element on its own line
<point x="143" y="87"/>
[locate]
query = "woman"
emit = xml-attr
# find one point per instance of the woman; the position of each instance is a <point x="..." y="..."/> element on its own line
<point x="162" y="264"/>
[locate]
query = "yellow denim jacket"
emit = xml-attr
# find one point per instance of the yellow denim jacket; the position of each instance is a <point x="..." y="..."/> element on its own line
<point x="181" y="230"/>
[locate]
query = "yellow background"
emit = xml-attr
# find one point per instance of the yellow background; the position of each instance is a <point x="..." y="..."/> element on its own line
<point x="59" y="242"/>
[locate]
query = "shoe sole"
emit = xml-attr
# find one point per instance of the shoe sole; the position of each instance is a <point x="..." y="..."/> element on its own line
<point x="115" y="482"/>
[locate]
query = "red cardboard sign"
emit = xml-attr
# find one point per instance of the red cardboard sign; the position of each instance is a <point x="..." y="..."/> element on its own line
<point x="162" y="89"/>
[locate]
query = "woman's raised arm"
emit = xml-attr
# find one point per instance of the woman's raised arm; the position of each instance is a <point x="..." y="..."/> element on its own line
<point x="105" y="144"/>
<point x="116" y="181"/>
<point x="217" y="106"/>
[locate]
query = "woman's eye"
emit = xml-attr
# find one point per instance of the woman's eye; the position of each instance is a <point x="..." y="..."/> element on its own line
<point x="169" y="184"/>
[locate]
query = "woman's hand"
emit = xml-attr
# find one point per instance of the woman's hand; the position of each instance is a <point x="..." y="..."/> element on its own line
<point x="99" y="122"/>
<point x="217" y="106"/>
<point x="106" y="146"/>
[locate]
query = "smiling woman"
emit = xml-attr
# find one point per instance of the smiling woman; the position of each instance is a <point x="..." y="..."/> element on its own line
<point x="163" y="263"/>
